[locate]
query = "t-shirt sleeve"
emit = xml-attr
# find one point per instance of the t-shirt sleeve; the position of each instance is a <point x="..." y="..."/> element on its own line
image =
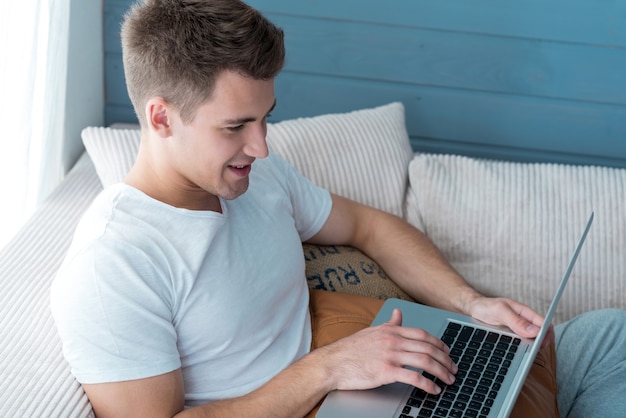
<point x="311" y="204"/>
<point x="112" y="316"/>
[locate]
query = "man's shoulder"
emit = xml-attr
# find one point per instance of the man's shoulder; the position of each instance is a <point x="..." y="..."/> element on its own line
<point x="115" y="223"/>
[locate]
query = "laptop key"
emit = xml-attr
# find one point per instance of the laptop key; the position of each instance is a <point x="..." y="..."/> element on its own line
<point x="465" y="334"/>
<point x="429" y="404"/>
<point x="418" y="393"/>
<point x="472" y="413"/>
<point x="425" y="412"/>
<point x="463" y="398"/>
<point x="482" y="389"/>
<point x="460" y="405"/>
<point x="474" y="375"/>
<point x="448" y="340"/>
<point x="467" y="390"/>
<point x="479" y="334"/>
<point x="441" y="412"/>
<point x="414" y="402"/>
<point x="445" y="404"/>
<point x="475" y="405"/>
<point x="463" y="365"/>
<point x="481" y="360"/>
<point x="448" y="395"/>
<point x="479" y="367"/>
<point x="479" y="397"/>
<point x="474" y="344"/>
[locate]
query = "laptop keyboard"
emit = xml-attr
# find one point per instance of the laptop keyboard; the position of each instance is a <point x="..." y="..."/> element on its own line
<point x="483" y="358"/>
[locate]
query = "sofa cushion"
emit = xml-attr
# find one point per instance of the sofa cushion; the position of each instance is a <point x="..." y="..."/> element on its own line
<point x="112" y="151"/>
<point x="510" y="228"/>
<point x="363" y="155"/>
<point x="345" y="269"/>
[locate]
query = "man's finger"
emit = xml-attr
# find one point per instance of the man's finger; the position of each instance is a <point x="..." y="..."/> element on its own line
<point x="396" y="317"/>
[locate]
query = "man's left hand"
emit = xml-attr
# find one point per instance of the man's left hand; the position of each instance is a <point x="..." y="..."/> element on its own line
<point x="521" y="319"/>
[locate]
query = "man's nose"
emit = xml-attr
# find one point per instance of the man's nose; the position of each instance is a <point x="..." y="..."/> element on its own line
<point x="256" y="144"/>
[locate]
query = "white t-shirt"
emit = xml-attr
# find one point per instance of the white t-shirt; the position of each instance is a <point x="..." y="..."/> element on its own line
<point x="147" y="288"/>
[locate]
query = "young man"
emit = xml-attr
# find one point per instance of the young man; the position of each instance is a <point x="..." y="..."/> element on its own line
<point x="166" y="302"/>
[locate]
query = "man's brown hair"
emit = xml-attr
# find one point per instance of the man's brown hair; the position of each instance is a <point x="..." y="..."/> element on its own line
<point x="175" y="49"/>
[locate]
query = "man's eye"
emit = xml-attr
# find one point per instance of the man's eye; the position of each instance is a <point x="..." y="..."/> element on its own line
<point x="235" y="128"/>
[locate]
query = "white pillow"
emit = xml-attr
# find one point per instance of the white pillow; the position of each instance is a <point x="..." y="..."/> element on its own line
<point x="113" y="151"/>
<point x="363" y="155"/>
<point x="510" y="228"/>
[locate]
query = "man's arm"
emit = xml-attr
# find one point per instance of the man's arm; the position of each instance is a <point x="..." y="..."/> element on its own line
<point x="292" y="393"/>
<point x="384" y="351"/>
<point x="417" y="266"/>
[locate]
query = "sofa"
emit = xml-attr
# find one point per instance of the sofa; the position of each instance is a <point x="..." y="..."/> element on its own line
<point x="508" y="227"/>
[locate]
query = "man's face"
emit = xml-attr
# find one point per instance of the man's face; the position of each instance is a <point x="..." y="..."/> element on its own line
<point x="214" y="153"/>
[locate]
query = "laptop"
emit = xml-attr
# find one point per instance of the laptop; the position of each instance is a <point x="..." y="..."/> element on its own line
<point x="493" y="365"/>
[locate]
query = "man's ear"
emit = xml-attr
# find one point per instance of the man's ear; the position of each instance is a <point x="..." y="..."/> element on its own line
<point x="159" y="114"/>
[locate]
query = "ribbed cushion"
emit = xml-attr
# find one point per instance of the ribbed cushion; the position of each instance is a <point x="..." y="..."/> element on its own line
<point x="510" y="228"/>
<point x="36" y="380"/>
<point x="362" y="155"/>
<point x="112" y="151"/>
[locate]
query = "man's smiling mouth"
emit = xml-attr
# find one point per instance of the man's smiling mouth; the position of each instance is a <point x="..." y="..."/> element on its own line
<point x="241" y="170"/>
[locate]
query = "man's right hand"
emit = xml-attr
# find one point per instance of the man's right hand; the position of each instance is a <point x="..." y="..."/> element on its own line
<point x="379" y="355"/>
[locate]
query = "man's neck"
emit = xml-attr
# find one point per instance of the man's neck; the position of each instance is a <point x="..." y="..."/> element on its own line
<point x="162" y="187"/>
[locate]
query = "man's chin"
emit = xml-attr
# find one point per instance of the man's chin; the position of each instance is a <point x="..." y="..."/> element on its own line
<point x="234" y="193"/>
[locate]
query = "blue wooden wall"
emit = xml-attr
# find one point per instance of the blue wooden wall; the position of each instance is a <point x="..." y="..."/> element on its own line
<point x="528" y="80"/>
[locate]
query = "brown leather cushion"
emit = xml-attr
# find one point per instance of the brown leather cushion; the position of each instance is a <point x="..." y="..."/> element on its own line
<point x="345" y="269"/>
<point x="538" y="398"/>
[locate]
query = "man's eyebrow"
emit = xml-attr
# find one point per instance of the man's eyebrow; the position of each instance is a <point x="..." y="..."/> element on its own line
<point x="241" y="121"/>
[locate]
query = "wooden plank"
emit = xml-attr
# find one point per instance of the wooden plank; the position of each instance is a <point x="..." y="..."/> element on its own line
<point x="467" y="118"/>
<point x="595" y="22"/>
<point x="511" y="154"/>
<point x="113" y="14"/>
<point x="456" y="60"/>
<point x="119" y="114"/>
<point x="115" y="81"/>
